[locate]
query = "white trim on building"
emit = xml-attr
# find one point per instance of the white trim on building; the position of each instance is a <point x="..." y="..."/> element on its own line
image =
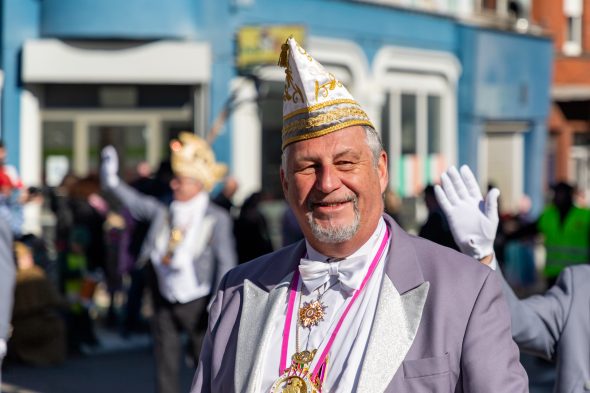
<point x="158" y="62"/>
<point x="246" y="140"/>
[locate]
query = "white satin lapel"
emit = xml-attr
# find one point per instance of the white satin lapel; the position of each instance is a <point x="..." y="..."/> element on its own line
<point x="396" y="322"/>
<point x="259" y="309"/>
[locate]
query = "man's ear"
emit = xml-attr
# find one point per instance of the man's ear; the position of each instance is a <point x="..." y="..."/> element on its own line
<point x="383" y="171"/>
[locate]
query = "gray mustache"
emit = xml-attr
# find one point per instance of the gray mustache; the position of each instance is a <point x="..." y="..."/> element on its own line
<point x="351" y="198"/>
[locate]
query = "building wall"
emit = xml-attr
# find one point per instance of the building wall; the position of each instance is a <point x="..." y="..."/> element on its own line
<point x="569" y="70"/>
<point x="505" y="80"/>
<point x="569" y="127"/>
<point x="502" y="74"/>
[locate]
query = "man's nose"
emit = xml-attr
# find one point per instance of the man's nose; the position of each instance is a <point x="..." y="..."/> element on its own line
<point x="327" y="179"/>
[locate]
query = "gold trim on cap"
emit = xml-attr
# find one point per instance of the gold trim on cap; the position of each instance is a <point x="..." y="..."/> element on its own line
<point x="320" y="106"/>
<point x="325" y="119"/>
<point x="325" y="131"/>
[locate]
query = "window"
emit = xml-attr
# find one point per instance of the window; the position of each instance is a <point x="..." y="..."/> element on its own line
<point x="572" y="10"/>
<point x="412" y="120"/>
<point x="501" y="160"/>
<point x="409" y="124"/>
<point x="270" y="106"/>
<point x="434" y="126"/>
<point x="58" y="150"/>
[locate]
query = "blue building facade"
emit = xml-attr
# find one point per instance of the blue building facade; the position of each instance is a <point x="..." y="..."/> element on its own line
<point x="79" y="74"/>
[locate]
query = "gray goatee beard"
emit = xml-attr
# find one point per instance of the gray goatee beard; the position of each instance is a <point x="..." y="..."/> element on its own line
<point x="333" y="233"/>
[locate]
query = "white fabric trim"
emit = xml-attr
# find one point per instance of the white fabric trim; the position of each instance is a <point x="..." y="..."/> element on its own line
<point x="160" y="62"/>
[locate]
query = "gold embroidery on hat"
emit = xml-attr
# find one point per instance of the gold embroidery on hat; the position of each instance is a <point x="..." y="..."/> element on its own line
<point x="312" y="108"/>
<point x="325" y="118"/>
<point x="303" y="52"/>
<point x="330" y="85"/>
<point x="289" y="83"/>
<point x="325" y="131"/>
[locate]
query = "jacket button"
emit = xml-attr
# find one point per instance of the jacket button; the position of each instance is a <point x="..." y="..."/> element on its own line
<point x="587" y="386"/>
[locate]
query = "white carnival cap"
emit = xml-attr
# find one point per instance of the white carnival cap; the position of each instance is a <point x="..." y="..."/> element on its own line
<point x="315" y="103"/>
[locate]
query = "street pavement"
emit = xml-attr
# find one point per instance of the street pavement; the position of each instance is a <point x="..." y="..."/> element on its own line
<point x="117" y="365"/>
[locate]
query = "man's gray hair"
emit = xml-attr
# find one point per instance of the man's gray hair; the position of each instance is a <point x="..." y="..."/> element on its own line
<point x="373" y="141"/>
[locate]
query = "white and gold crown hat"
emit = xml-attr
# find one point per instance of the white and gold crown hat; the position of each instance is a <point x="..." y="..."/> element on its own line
<point x="191" y="156"/>
<point x="315" y="103"/>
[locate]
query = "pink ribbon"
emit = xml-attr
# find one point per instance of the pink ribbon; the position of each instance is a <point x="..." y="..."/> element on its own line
<point x="291" y="304"/>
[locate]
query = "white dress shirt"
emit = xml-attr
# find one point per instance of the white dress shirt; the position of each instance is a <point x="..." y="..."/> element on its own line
<point x="348" y="349"/>
<point x="178" y="281"/>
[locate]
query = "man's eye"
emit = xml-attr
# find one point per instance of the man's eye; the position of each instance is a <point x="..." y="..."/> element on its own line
<point x="345" y="164"/>
<point x="306" y="169"/>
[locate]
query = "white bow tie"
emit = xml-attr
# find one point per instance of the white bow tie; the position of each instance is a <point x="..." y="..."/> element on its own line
<point x="316" y="273"/>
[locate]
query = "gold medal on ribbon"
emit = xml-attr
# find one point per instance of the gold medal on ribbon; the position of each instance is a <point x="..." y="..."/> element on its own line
<point x="311" y="313"/>
<point x="297" y="378"/>
<point x="176" y="237"/>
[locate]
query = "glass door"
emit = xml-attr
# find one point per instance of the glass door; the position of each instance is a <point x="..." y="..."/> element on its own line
<point x="130" y="141"/>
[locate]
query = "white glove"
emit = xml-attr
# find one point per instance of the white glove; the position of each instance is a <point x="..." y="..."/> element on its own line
<point x="109" y="167"/>
<point x="473" y="223"/>
<point x="2" y="348"/>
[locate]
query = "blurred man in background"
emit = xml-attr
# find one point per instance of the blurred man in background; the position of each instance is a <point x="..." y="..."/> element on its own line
<point x="566" y="231"/>
<point x="189" y="244"/>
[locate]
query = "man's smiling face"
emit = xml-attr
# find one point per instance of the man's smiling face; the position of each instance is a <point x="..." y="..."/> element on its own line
<point x="334" y="185"/>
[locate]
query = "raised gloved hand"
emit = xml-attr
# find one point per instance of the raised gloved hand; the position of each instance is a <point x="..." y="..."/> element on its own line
<point x="109" y="167"/>
<point x="473" y="222"/>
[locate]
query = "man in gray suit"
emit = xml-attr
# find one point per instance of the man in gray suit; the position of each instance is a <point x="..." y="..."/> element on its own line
<point x="554" y="325"/>
<point x="359" y="305"/>
<point x="189" y="244"/>
<point x="7" y="278"/>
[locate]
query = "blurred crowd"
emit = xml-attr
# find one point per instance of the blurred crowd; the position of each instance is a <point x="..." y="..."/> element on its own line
<point x="91" y="253"/>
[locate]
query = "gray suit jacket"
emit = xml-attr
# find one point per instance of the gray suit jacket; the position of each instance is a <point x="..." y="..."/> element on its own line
<point x="7" y="278"/>
<point x="556" y="325"/>
<point x="219" y="255"/>
<point x="442" y="324"/>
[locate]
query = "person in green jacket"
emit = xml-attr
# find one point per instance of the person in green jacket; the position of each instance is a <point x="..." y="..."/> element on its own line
<point x="566" y="231"/>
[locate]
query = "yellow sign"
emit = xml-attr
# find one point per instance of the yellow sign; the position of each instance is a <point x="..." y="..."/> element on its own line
<point x="261" y="45"/>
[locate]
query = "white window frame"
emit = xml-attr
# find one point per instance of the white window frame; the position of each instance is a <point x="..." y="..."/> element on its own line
<point x="82" y="120"/>
<point x="421" y="86"/>
<point x="420" y="72"/>
<point x="573" y="9"/>
<point x="579" y="164"/>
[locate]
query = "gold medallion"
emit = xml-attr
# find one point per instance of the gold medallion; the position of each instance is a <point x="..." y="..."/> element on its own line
<point x="297" y="378"/>
<point x="295" y="385"/>
<point x="304" y="357"/>
<point x="311" y="313"/>
<point x="176" y="236"/>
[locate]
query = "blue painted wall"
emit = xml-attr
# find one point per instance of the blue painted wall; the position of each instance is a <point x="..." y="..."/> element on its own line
<point x="20" y="21"/>
<point x="131" y="19"/>
<point x="506" y="77"/>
